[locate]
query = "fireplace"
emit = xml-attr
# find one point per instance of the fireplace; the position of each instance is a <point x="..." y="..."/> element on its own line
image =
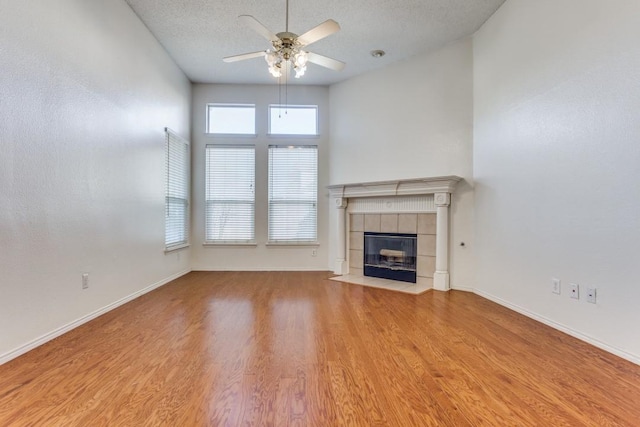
<point x="418" y="206"/>
<point x="390" y="256"/>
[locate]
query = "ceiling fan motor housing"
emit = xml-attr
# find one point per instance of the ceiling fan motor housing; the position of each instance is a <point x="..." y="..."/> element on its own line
<point x="286" y="44"/>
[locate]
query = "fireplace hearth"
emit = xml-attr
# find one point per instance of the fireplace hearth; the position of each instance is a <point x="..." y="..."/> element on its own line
<point x="390" y="256"/>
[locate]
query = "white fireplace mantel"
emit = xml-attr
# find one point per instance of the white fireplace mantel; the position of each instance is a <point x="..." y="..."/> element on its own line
<point x="441" y="189"/>
<point x="403" y="187"/>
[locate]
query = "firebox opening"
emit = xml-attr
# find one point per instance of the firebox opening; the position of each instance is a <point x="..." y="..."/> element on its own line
<point x="390" y="256"/>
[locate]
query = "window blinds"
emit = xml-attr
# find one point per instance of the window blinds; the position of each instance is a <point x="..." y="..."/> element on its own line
<point x="293" y="191"/>
<point x="177" y="191"/>
<point x="230" y="194"/>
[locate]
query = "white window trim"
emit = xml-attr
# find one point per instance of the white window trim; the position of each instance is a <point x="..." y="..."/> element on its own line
<point x="230" y="243"/>
<point x="280" y="243"/>
<point x="177" y="248"/>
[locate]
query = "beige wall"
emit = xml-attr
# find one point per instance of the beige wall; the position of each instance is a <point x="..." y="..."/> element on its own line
<point x="85" y="94"/>
<point x="556" y="164"/>
<point x="411" y="119"/>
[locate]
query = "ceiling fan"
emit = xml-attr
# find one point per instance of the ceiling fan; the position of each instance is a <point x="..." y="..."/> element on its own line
<point x="289" y="47"/>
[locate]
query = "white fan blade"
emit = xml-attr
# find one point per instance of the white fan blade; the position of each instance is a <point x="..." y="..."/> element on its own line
<point x="325" y="61"/>
<point x="244" y="56"/>
<point x="321" y="31"/>
<point x="256" y="26"/>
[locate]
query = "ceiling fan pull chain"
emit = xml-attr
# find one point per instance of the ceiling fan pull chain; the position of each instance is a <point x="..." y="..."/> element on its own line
<point x="280" y="97"/>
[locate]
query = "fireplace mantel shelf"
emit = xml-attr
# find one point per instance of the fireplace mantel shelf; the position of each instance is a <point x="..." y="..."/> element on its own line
<point x="403" y="187"/>
<point x="439" y="189"/>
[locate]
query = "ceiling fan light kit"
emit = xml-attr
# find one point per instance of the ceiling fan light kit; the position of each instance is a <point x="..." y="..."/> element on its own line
<point x="288" y="47"/>
<point x="285" y="50"/>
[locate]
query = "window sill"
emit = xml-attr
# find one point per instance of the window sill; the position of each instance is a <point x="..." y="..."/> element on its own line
<point x="293" y="135"/>
<point x="231" y="135"/>
<point x="243" y="244"/>
<point x="293" y="243"/>
<point x="176" y="248"/>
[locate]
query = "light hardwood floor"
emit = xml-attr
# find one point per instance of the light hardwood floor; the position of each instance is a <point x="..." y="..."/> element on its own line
<point x="254" y="348"/>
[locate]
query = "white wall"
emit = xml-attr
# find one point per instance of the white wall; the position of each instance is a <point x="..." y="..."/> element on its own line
<point x="259" y="257"/>
<point x="557" y="164"/>
<point x="412" y="119"/>
<point x="85" y="92"/>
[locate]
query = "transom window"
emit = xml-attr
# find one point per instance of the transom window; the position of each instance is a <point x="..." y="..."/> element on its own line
<point x="293" y="119"/>
<point x="231" y="119"/>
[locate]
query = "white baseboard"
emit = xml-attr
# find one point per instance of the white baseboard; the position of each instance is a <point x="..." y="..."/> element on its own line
<point x="254" y="269"/>
<point x="4" y="358"/>
<point x="569" y="331"/>
<point x="462" y="288"/>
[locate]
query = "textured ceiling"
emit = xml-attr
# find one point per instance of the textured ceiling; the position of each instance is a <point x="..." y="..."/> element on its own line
<point x="199" y="33"/>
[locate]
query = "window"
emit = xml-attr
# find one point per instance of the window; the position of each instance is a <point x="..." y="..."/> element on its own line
<point x="177" y="192"/>
<point x="230" y="194"/>
<point x="293" y="194"/>
<point x="293" y="119"/>
<point x="231" y="119"/>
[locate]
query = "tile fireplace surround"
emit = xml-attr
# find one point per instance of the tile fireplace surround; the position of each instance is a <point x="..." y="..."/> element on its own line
<point x="418" y="206"/>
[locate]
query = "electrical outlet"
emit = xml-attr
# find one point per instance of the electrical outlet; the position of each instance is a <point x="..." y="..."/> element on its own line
<point x="574" y="290"/>
<point x="591" y="295"/>
<point x="314" y="252"/>
<point x="555" y="285"/>
<point x="85" y="280"/>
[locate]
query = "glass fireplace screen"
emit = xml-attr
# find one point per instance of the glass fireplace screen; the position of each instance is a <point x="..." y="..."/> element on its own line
<point x="390" y="256"/>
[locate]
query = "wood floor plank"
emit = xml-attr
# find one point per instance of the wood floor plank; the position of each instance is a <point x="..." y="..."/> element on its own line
<point x="296" y="349"/>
